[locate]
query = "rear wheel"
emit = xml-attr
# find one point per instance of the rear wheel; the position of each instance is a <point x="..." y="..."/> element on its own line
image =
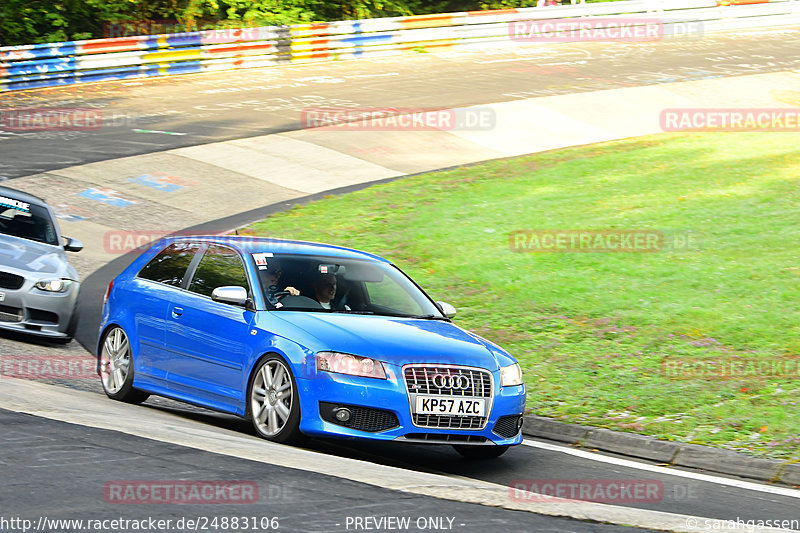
<point x="481" y="452"/>
<point x="116" y="368"/>
<point x="273" y="402"/>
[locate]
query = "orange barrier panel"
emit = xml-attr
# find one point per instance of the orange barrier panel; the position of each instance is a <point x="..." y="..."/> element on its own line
<point x="427" y="21"/>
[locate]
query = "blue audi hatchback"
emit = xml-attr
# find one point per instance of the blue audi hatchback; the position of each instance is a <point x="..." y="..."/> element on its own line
<point x="305" y="339"/>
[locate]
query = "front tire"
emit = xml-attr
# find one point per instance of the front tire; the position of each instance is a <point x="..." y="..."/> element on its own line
<point x="481" y="452"/>
<point x="116" y="367"/>
<point x="273" y="404"/>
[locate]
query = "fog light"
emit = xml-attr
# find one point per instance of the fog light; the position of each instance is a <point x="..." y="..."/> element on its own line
<point x="342" y="414"/>
<point x="519" y="423"/>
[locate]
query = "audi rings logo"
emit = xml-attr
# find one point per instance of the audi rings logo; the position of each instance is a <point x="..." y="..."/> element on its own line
<point x="457" y="382"/>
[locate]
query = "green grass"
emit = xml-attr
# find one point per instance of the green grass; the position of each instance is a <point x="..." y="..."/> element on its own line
<point x="592" y="330"/>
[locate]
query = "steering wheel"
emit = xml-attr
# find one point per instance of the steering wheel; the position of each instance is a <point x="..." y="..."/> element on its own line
<point x="281" y="294"/>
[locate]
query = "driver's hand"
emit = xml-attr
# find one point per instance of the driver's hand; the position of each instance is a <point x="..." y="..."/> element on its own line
<point x="293" y="291"/>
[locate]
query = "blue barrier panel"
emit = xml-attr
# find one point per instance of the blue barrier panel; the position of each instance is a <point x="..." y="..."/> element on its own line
<point x="360" y="40"/>
<point x="37" y="77"/>
<point x="194" y="38"/>
<point x="107" y="73"/>
<point x="40" y="84"/>
<point x="38" y="51"/>
<point x="185" y="67"/>
<point x="42" y="66"/>
<point x="118" y="74"/>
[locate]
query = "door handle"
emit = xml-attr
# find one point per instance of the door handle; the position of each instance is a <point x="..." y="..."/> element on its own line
<point x="176" y="312"/>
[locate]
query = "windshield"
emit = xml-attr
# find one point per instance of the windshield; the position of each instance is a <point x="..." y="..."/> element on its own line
<point x="336" y="285"/>
<point x="26" y="221"/>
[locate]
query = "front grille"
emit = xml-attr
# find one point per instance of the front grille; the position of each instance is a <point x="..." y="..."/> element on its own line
<point x="362" y="419"/>
<point x="434" y="437"/>
<point x="507" y="426"/>
<point x="10" y="281"/>
<point x="422" y="380"/>
<point x="10" y="314"/>
<point x="449" y="422"/>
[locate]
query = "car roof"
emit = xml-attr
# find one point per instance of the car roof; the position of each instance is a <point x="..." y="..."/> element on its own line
<point x="21" y="196"/>
<point x="249" y="244"/>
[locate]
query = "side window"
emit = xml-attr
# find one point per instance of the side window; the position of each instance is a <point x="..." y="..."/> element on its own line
<point x="170" y="265"/>
<point x="219" y="267"/>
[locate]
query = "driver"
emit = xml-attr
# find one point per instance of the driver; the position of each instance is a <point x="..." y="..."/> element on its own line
<point x="271" y="278"/>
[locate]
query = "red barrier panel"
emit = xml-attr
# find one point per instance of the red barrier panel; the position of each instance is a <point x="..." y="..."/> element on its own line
<point x="120" y="44"/>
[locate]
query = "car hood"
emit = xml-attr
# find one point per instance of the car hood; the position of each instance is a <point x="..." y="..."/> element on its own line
<point x="394" y="340"/>
<point x="22" y="255"/>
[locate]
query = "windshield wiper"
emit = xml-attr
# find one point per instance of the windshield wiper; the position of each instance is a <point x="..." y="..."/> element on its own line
<point x="310" y="309"/>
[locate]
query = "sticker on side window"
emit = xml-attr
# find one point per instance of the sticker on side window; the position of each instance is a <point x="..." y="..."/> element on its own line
<point x="261" y="260"/>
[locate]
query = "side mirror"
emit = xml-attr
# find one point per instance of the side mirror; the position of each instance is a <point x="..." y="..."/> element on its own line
<point x="448" y="310"/>
<point x="230" y="295"/>
<point x="72" y="245"/>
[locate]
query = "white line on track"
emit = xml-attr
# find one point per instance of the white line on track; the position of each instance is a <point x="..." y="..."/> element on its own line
<point x="510" y="59"/>
<point x="240" y="128"/>
<point x="373" y="75"/>
<point x="126" y="141"/>
<point x="747" y="485"/>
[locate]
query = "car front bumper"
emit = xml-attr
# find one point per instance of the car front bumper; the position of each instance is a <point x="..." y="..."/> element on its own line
<point x="383" y="411"/>
<point x="33" y="311"/>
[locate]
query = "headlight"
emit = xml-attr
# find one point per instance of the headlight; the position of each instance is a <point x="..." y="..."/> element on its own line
<point x="354" y="365"/>
<point x="54" y="285"/>
<point x="511" y="375"/>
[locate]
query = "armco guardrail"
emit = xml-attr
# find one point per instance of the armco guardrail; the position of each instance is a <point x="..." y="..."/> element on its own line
<point x="46" y="65"/>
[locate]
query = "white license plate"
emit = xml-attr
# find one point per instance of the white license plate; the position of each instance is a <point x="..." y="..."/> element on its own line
<point x="448" y="405"/>
<point x="2" y="297"/>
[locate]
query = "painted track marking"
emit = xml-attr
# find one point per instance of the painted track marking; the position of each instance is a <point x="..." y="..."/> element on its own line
<point x="740" y="484"/>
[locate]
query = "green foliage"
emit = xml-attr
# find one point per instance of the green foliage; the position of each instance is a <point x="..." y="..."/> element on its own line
<point x="47" y="21"/>
<point x="248" y="13"/>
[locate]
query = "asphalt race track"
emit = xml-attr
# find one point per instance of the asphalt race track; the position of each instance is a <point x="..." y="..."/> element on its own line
<point x="38" y="455"/>
<point x="185" y="111"/>
<point x="300" y="501"/>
